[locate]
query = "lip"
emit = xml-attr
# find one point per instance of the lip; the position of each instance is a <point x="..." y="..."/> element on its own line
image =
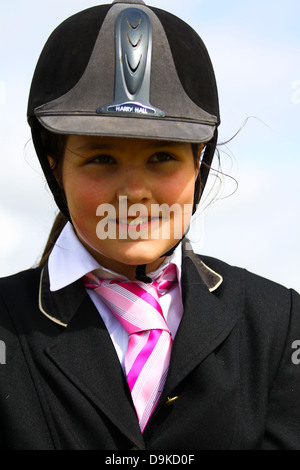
<point x="133" y="222"/>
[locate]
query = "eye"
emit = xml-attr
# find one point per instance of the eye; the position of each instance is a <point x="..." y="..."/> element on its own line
<point x="103" y="159"/>
<point x="161" y="157"/>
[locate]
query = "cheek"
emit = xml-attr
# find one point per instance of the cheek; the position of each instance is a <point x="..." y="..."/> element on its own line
<point x="178" y="194"/>
<point x="179" y="190"/>
<point x="83" y="201"/>
<point x="84" y="194"/>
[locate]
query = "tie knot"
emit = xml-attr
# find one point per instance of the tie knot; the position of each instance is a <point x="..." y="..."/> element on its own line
<point x="166" y="280"/>
<point x="135" y="304"/>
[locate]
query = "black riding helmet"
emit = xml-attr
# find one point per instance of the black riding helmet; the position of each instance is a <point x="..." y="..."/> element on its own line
<point x="124" y="70"/>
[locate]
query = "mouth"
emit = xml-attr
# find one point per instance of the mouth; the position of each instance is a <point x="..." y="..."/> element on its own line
<point x="136" y="221"/>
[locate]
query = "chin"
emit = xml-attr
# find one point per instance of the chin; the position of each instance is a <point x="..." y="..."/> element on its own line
<point x="144" y="253"/>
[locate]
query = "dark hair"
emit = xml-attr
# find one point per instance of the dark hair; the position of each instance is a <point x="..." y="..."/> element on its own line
<point x="59" y="223"/>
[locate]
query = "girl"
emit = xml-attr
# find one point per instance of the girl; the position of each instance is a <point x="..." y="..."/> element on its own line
<point x="124" y="338"/>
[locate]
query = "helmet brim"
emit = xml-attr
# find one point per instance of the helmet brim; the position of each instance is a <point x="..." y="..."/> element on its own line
<point x="131" y="127"/>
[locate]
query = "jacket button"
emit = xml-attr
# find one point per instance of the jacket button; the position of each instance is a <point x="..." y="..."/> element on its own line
<point x="170" y="401"/>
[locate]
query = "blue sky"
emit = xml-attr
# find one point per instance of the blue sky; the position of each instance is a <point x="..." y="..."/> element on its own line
<point x="255" y="49"/>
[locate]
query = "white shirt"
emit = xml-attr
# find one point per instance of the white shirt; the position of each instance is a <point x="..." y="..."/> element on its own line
<point x="70" y="261"/>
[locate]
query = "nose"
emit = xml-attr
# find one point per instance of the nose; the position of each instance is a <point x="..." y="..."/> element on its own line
<point x="135" y="185"/>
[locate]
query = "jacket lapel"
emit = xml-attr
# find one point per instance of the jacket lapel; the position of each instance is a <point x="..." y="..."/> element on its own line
<point x="206" y="320"/>
<point x="84" y="341"/>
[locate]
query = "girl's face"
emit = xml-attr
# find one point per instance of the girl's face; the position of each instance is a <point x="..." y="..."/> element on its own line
<point x="114" y="189"/>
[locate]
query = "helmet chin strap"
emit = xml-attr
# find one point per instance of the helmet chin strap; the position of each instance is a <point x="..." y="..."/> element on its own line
<point x="140" y="273"/>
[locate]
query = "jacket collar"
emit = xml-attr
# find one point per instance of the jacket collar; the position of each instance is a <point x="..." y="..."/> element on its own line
<point x="59" y="306"/>
<point x="210" y="278"/>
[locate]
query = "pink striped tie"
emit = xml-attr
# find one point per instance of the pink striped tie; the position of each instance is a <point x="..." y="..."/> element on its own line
<point x="136" y="306"/>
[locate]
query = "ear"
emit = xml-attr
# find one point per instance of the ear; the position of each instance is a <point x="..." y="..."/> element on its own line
<point x="53" y="166"/>
<point x="52" y="162"/>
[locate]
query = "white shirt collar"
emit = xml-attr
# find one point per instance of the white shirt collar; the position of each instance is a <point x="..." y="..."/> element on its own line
<point x="70" y="261"/>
